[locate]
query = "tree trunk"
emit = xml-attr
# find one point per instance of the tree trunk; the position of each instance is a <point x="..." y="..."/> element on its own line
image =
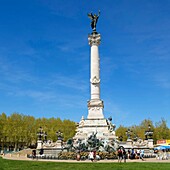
<point x="15" y="147"/>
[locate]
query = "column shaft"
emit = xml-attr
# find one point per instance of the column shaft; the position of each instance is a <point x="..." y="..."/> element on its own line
<point x="95" y="73"/>
<point x="95" y="105"/>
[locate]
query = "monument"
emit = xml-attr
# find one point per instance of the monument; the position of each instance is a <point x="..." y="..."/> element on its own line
<point x="95" y="132"/>
<point x="95" y="123"/>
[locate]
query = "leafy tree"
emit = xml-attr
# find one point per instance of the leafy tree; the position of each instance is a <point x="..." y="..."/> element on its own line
<point x="29" y="130"/>
<point x="69" y="128"/>
<point x="18" y="129"/>
<point x="161" y="130"/>
<point x="15" y="129"/>
<point x="3" y="129"/>
<point x="144" y="126"/>
<point x="121" y="132"/>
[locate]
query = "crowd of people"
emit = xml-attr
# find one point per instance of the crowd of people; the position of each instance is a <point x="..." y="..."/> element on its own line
<point x="122" y="154"/>
<point x="163" y="154"/>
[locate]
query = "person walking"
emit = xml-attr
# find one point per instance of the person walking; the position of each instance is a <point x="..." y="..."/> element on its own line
<point x="142" y="154"/>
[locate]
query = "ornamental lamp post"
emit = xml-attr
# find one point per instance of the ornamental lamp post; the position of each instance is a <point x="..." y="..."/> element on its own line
<point x="129" y="140"/>
<point x="128" y="133"/>
<point x="148" y="133"/>
<point x="59" y="139"/>
<point x="45" y="136"/>
<point x="59" y="135"/>
<point x="40" y="133"/>
<point x="121" y="138"/>
<point x="135" y="138"/>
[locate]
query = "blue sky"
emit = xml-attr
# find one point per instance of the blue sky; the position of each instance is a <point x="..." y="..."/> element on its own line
<point x="44" y="58"/>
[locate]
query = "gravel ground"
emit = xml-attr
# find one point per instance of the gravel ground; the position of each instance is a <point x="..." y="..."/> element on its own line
<point x="102" y="161"/>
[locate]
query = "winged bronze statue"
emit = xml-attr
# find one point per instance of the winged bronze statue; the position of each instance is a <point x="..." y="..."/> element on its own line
<point x="94" y="19"/>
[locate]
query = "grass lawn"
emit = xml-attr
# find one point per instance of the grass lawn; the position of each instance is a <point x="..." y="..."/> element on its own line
<point x="37" y="165"/>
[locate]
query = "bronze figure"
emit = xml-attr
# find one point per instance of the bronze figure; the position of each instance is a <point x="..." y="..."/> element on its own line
<point x="94" y="19"/>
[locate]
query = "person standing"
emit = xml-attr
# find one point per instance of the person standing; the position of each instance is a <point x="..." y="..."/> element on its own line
<point x="78" y="156"/>
<point x="91" y="156"/>
<point x="120" y="155"/>
<point x="94" y="155"/>
<point x="124" y="155"/>
<point x="33" y="154"/>
<point x="138" y="153"/>
<point x="128" y="153"/>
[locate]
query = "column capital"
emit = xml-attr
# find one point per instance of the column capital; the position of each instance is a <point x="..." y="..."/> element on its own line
<point x="94" y="39"/>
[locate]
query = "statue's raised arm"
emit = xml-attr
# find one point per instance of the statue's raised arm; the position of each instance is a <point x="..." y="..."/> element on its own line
<point x="99" y="13"/>
<point x="94" y="19"/>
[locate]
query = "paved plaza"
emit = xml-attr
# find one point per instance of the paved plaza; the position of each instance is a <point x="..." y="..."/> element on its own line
<point x="88" y="161"/>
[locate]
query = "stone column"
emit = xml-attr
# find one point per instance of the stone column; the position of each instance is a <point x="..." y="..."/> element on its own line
<point x="95" y="105"/>
<point x="94" y="42"/>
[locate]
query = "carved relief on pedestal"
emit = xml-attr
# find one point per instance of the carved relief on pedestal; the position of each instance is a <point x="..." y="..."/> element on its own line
<point x="92" y="104"/>
<point x="140" y="143"/>
<point x="95" y="80"/>
<point x="94" y="108"/>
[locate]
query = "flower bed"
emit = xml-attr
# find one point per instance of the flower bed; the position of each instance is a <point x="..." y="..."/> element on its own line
<point x="84" y="155"/>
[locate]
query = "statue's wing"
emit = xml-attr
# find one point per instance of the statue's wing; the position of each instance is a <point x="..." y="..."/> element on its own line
<point x="90" y="16"/>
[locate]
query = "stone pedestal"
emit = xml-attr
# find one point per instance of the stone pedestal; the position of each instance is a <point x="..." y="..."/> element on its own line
<point x="59" y="144"/>
<point x="90" y="126"/>
<point x="150" y="143"/>
<point x="39" y="144"/>
<point x="129" y="142"/>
